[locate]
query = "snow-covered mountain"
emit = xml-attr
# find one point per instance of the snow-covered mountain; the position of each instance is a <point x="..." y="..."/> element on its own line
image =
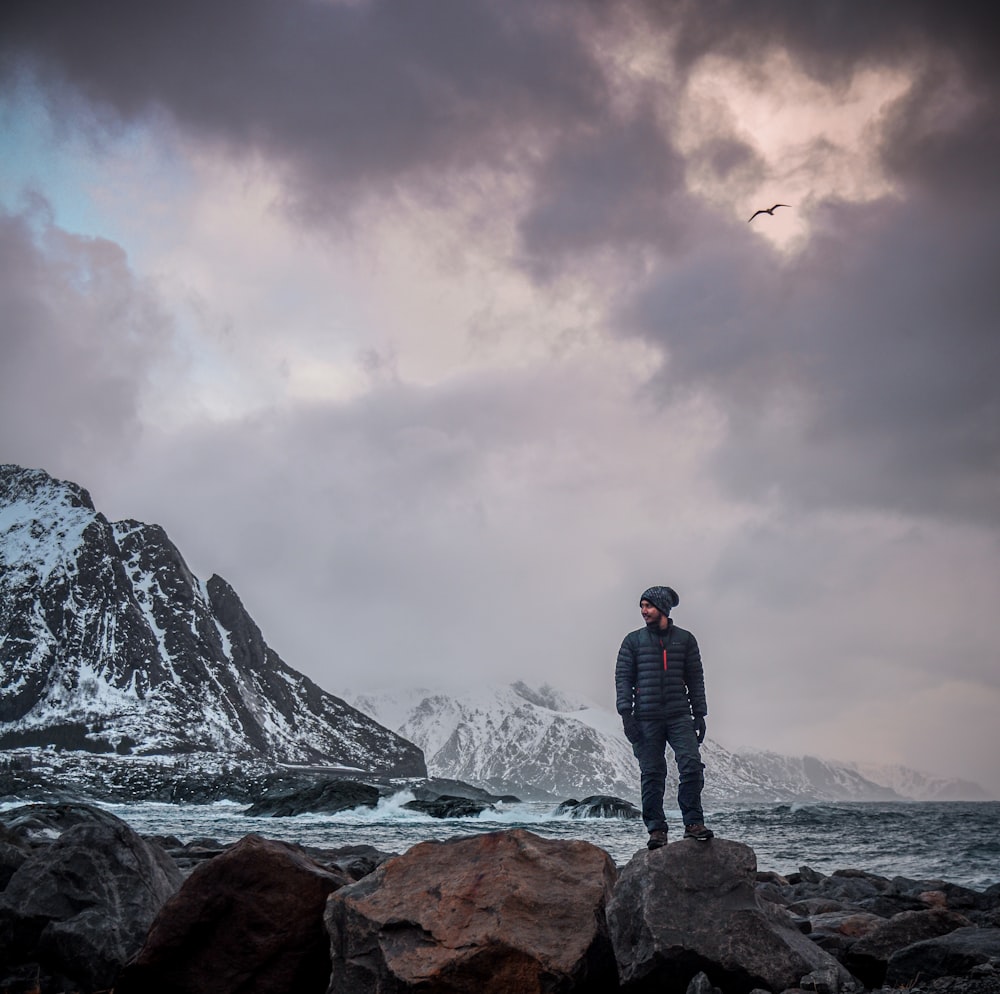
<point x="921" y="786"/>
<point x="108" y="642"/>
<point x="502" y="739"/>
<point x="519" y="740"/>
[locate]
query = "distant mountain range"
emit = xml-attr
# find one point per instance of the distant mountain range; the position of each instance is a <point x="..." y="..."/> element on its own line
<point x="515" y="739"/>
<point x="110" y="645"/>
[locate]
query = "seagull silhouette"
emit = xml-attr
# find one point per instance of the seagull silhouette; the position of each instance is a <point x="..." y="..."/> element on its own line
<point x="767" y="210"/>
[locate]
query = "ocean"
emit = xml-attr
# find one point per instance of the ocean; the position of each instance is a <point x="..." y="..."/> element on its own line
<point x="955" y="842"/>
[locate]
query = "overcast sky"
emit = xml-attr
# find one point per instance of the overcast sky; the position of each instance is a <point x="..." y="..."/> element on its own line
<point x="439" y="330"/>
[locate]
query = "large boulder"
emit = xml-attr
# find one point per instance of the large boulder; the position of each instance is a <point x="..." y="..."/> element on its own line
<point x="44" y="822"/>
<point x="599" y="806"/>
<point x="690" y="907"/>
<point x="326" y="796"/>
<point x="78" y="906"/>
<point x="12" y="855"/>
<point x="485" y="914"/>
<point x="446" y="806"/>
<point x="868" y="958"/>
<point x="247" y="921"/>
<point x="956" y="954"/>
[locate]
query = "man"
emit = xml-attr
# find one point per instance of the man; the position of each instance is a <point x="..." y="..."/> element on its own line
<point x="660" y="691"/>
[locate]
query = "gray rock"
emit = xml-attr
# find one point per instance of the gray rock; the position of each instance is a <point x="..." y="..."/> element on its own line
<point x="449" y="807"/>
<point x="11" y="857"/>
<point x="847" y="922"/>
<point x="433" y="787"/>
<point x="37" y="824"/>
<point x="79" y="907"/>
<point x="890" y="905"/>
<point x="772" y="892"/>
<point x="354" y="861"/>
<point x="825" y="980"/>
<point x="951" y="955"/>
<point x="599" y="806"/>
<point x="806" y="875"/>
<point x="816" y="906"/>
<point x="700" y="984"/>
<point x="325" y="795"/>
<point x="690" y="907"/>
<point x="868" y="958"/>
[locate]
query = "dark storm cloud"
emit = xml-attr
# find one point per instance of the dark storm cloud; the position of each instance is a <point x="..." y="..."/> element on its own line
<point x="613" y="185"/>
<point x="846" y="373"/>
<point x="831" y="37"/>
<point x="78" y="336"/>
<point x="341" y="92"/>
<point x="862" y="373"/>
<point x="952" y="139"/>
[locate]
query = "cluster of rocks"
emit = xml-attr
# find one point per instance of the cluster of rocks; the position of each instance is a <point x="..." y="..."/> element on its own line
<point x="87" y="905"/>
<point x="286" y="795"/>
<point x="267" y="791"/>
<point x="898" y="933"/>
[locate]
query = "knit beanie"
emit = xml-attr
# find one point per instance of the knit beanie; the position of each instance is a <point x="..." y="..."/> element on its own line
<point x="662" y="598"/>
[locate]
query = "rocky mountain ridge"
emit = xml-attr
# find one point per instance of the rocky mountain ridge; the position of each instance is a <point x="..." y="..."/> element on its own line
<point x="108" y="643"/>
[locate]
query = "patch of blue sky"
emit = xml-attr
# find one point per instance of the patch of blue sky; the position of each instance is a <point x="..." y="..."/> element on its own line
<point x="74" y="166"/>
<point x="34" y="160"/>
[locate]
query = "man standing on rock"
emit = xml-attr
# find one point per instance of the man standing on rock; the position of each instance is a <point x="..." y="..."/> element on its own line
<point x="660" y="694"/>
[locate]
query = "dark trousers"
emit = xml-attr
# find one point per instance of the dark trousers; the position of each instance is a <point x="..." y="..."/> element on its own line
<point x="651" y="752"/>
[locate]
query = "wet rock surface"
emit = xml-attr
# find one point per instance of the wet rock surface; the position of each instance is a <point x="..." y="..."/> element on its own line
<point x="498" y="912"/>
<point x="247" y="921"/>
<point x="869" y="957"/>
<point x="690" y="908"/>
<point x="328" y="796"/>
<point x="449" y="807"/>
<point x="599" y="806"/>
<point x="958" y="953"/>
<point x="81" y="901"/>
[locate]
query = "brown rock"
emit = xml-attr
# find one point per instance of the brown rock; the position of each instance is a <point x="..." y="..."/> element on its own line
<point x="934" y="898"/>
<point x="486" y="914"/>
<point x="248" y="921"/>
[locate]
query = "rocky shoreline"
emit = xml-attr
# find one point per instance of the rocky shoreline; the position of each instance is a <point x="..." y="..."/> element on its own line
<point x="88" y="905"/>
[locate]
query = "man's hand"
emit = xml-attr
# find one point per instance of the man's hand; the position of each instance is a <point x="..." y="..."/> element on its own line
<point x="699" y="728"/>
<point x="633" y="731"/>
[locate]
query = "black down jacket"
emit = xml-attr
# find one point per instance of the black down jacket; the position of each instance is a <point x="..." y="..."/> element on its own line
<point x="659" y="674"/>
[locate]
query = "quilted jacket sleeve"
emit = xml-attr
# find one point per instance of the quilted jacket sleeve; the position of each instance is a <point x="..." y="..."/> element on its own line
<point x="625" y="675"/>
<point x="694" y="678"/>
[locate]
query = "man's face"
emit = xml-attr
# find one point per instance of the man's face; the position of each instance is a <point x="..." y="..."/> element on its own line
<point x="649" y="613"/>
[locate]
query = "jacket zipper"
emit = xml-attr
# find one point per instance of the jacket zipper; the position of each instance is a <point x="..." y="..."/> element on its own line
<point x="663" y="675"/>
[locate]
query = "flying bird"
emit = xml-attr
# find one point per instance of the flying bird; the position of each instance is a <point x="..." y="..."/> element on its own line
<point x="767" y="210"/>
